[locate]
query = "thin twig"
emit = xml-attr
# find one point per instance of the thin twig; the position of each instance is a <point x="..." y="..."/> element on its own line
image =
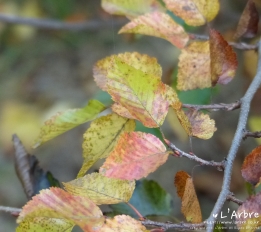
<point x="231" y="197"/>
<point x="243" y="116"/>
<point x="180" y="153"/>
<point x="10" y="210"/>
<point x="241" y="46"/>
<point x="58" y="25"/>
<point x="214" y="107"/>
<point x="256" y="134"/>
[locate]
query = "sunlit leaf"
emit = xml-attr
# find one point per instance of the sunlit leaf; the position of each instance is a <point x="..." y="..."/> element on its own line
<point x="101" y="137"/>
<point x="149" y="198"/>
<point x="123" y="223"/>
<point x="194" y="67"/>
<point x="57" y="204"/>
<point x="194" y="12"/>
<point x="223" y="59"/>
<point x="160" y="25"/>
<point x="64" y="121"/>
<point x="251" y="168"/>
<point x="249" y="214"/>
<point x="131" y="8"/>
<point x="190" y="206"/>
<point x="248" y="24"/>
<point x="42" y="224"/>
<point x="101" y="189"/>
<point x="133" y="81"/>
<point x="135" y="156"/>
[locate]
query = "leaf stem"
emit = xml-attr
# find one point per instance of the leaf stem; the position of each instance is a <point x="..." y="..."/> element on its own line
<point x="215" y="107"/>
<point x="231" y="197"/>
<point x="10" y="210"/>
<point x="243" y="116"/>
<point x="135" y="210"/>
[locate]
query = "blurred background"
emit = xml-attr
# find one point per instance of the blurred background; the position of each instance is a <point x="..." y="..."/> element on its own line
<point x="43" y="71"/>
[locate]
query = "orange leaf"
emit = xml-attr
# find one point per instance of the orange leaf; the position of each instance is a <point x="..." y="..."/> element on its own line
<point x="135" y="156"/>
<point x="158" y="24"/>
<point x="194" y="12"/>
<point x="251" y="168"/>
<point x="248" y="24"/>
<point x="56" y="203"/>
<point x="223" y="59"/>
<point x="248" y="214"/>
<point x="194" y="67"/>
<point x="190" y="206"/>
<point x="123" y="223"/>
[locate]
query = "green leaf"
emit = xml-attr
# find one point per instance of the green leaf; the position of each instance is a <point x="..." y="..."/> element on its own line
<point x="148" y="198"/>
<point x="64" y="121"/>
<point x="101" y="137"/>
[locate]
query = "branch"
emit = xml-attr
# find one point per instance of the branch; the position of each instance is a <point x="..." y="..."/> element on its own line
<point x="243" y="116"/>
<point x="231" y="197"/>
<point x="214" y="107"/>
<point x="219" y="165"/>
<point x="241" y="46"/>
<point x="256" y="134"/>
<point x="58" y="25"/>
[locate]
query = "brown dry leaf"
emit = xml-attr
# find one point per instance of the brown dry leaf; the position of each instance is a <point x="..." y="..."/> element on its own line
<point x="249" y="214"/>
<point x="223" y="62"/>
<point x="194" y="12"/>
<point x="251" y="168"/>
<point x="194" y="67"/>
<point x="190" y="206"/>
<point x="248" y="24"/>
<point x="158" y="24"/>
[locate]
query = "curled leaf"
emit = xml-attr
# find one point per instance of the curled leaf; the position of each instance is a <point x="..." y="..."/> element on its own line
<point x="223" y="59"/>
<point x="251" y="168"/>
<point x="101" y="189"/>
<point x="135" y="156"/>
<point x="194" y="12"/>
<point x="64" y="121"/>
<point x="101" y="137"/>
<point x="194" y="67"/>
<point x="190" y="206"/>
<point x="57" y="204"/>
<point x="158" y="24"/>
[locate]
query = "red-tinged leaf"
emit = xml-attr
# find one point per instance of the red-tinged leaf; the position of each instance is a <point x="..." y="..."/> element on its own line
<point x="122" y="111"/>
<point x="194" y="12"/>
<point x="160" y="25"/>
<point x="248" y="214"/>
<point x="131" y="8"/>
<point x="58" y="204"/>
<point x="251" y="168"/>
<point x="135" y="156"/>
<point x="248" y="24"/>
<point x="223" y="59"/>
<point x="123" y="223"/>
<point x="194" y="67"/>
<point x="133" y="81"/>
<point x="190" y="206"/>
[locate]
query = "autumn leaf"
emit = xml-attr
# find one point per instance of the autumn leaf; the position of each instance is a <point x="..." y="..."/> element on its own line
<point x="190" y="206"/>
<point x="42" y="224"/>
<point x="101" y="137"/>
<point x="158" y="24"/>
<point x="135" y="156"/>
<point x="223" y="60"/>
<point x="251" y="168"/>
<point x="122" y="111"/>
<point x="101" y="189"/>
<point x="194" y="67"/>
<point x="122" y="223"/>
<point x="248" y="214"/>
<point x="196" y="124"/>
<point x="131" y="8"/>
<point x="248" y="24"/>
<point x="57" y="204"/>
<point x="133" y="81"/>
<point x="194" y="12"/>
<point x="64" y="121"/>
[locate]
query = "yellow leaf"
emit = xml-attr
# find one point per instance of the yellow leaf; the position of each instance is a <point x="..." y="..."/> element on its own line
<point x="101" y="137"/>
<point x="254" y="123"/>
<point x="101" y="189"/>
